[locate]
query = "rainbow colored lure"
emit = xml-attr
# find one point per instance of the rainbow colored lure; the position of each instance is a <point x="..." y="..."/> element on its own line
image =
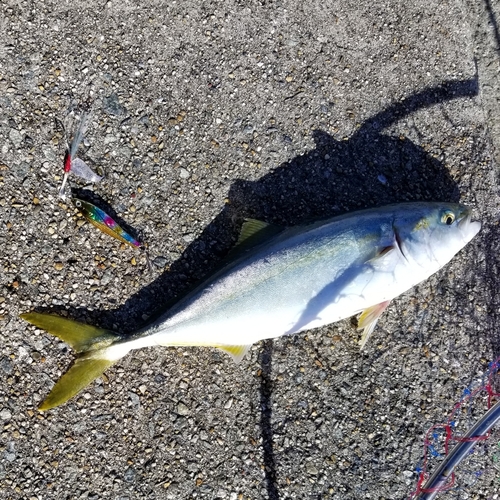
<point x="104" y="222"/>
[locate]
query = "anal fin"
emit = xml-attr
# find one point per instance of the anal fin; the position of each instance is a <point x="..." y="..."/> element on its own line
<point x="368" y="319"/>
<point x="237" y="352"/>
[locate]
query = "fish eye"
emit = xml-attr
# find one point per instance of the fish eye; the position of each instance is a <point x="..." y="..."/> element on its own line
<point x="448" y="218"/>
<point x="78" y="203"/>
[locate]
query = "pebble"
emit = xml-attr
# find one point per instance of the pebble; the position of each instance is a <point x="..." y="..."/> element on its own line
<point x="108" y="139"/>
<point x="134" y="398"/>
<point x="182" y="409"/>
<point x="188" y="237"/>
<point x="5" y="414"/>
<point x="15" y="137"/>
<point x="49" y="153"/>
<point x="107" y="277"/>
<point x="129" y="475"/>
<point x="382" y="179"/>
<point x="311" y="469"/>
<point x="160" y="261"/>
<point x="58" y="265"/>
<point x="184" y="174"/>
<point x="112" y="105"/>
<point x="6" y="365"/>
<point x="10" y="452"/>
<point x="21" y="170"/>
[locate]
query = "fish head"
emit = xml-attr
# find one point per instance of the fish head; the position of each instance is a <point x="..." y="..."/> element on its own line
<point x="430" y="234"/>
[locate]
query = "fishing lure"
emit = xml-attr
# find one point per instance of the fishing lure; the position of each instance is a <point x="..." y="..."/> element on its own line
<point x="76" y="165"/>
<point x="104" y="222"/>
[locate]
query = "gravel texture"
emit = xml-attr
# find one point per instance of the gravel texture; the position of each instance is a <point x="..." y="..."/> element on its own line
<point x="204" y="113"/>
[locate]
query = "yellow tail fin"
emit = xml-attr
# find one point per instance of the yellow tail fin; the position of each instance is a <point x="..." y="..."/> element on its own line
<point x="90" y="342"/>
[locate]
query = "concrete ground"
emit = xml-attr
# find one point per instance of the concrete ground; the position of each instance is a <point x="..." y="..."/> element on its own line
<point x="204" y="113"/>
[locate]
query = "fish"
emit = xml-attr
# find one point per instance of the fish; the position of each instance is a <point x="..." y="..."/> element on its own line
<point x="100" y="219"/>
<point x="281" y="281"/>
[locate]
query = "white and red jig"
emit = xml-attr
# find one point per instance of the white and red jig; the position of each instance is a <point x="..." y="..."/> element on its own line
<point x="76" y="165"/>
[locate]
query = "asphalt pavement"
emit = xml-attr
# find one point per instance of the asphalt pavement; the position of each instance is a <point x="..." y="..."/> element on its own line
<point x="202" y="114"/>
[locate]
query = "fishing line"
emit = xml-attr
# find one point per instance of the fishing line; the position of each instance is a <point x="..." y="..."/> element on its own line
<point x="443" y="478"/>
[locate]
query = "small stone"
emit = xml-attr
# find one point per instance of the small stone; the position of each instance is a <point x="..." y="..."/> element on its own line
<point x="182" y="409"/>
<point x="58" y="265"/>
<point x="16" y="137"/>
<point x="382" y="179"/>
<point x="129" y="475"/>
<point x="133" y="261"/>
<point x="160" y="262"/>
<point x="184" y="174"/>
<point x="134" y="398"/>
<point x="6" y="365"/>
<point x="311" y="469"/>
<point x="51" y="230"/>
<point x="5" y="414"/>
<point x="10" y="452"/>
<point x="112" y="106"/>
<point x="106" y="277"/>
<point x="21" y="170"/>
<point x="108" y="139"/>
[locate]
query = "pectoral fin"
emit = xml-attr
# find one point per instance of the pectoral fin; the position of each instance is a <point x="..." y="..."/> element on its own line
<point x="368" y="320"/>
<point x="237" y="352"/>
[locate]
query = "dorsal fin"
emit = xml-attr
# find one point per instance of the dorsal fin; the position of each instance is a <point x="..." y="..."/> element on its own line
<point x="254" y="232"/>
<point x="250" y="228"/>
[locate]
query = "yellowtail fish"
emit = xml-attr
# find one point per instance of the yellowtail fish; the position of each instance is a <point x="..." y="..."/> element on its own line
<point x="284" y="281"/>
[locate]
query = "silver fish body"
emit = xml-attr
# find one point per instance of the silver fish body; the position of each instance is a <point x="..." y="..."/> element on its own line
<point x="310" y="276"/>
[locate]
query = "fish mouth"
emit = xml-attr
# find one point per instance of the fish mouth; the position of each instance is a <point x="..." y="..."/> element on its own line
<point x="467" y="226"/>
